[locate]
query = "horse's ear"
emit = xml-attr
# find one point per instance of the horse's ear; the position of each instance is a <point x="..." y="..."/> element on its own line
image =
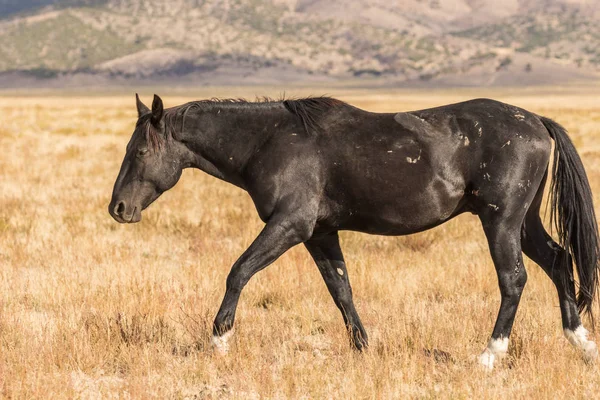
<point x="157" y="110"/>
<point x="141" y="107"/>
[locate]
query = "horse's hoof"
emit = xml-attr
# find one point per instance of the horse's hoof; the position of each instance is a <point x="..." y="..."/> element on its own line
<point x="359" y="340"/>
<point x="495" y="350"/>
<point x="360" y="346"/>
<point x="579" y="339"/>
<point x="221" y="343"/>
<point x="590" y="352"/>
<point x="487" y="359"/>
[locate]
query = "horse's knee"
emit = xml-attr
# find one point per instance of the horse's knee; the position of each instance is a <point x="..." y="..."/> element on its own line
<point x="521" y="276"/>
<point x="513" y="282"/>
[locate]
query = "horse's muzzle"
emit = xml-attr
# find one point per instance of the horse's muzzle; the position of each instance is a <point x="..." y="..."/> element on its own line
<point x="125" y="213"/>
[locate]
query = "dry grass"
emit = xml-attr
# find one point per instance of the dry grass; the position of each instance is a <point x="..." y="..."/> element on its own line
<point x="93" y="309"/>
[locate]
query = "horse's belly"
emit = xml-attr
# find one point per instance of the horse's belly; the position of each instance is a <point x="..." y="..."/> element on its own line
<point x="402" y="209"/>
<point x="401" y="221"/>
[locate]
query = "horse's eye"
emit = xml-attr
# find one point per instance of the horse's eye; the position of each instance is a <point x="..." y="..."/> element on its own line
<point x="142" y="152"/>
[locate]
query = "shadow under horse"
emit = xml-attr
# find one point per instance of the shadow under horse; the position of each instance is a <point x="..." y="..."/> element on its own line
<point x="317" y="166"/>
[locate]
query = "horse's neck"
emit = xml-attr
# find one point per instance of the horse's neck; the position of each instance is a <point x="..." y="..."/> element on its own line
<point x="234" y="136"/>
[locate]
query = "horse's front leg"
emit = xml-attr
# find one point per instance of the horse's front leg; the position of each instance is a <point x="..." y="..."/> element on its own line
<point x="327" y="254"/>
<point x="280" y="234"/>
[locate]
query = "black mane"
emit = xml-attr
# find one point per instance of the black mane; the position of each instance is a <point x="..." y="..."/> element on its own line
<point x="308" y="109"/>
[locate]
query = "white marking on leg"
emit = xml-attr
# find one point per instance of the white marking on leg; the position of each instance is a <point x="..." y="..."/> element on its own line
<point x="578" y="338"/>
<point x="340" y="271"/>
<point x="220" y="343"/>
<point x="495" y="350"/>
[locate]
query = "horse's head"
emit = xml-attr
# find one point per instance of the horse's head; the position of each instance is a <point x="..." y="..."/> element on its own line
<point x="152" y="165"/>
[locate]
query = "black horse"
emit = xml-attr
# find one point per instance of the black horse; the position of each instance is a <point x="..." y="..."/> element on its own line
<point x="316" y="166"/>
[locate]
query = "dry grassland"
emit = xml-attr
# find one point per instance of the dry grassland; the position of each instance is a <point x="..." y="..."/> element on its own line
<point x="93" y="309"/>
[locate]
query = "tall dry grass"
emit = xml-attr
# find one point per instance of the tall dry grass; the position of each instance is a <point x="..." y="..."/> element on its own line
<point x="93" y="309"/>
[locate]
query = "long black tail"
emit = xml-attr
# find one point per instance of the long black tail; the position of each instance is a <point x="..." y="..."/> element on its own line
<point x="572" y="213"/>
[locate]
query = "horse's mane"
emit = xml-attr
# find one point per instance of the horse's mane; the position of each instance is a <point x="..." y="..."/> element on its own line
<point x="308" y="109"/>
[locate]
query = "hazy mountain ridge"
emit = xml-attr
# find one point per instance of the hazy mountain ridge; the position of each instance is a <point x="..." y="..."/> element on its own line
<point x="445" y="41"/>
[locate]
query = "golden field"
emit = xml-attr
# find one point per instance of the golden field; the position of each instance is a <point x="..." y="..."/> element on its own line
<point x="92" y="309"/>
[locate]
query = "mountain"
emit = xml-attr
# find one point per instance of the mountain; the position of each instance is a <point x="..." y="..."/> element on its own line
<point x="437" y="42"/>
<point x="10" y="7"/>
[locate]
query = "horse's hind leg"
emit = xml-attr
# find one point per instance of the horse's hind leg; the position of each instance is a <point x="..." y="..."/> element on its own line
<point x="539" y="246"/>
<point x="504" y="239"/>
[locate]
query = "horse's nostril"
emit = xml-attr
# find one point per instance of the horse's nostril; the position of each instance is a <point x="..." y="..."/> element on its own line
<point x="120" y="208"/>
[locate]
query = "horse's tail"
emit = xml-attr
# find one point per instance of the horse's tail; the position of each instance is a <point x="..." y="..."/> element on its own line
<point x="572" y="213"/>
